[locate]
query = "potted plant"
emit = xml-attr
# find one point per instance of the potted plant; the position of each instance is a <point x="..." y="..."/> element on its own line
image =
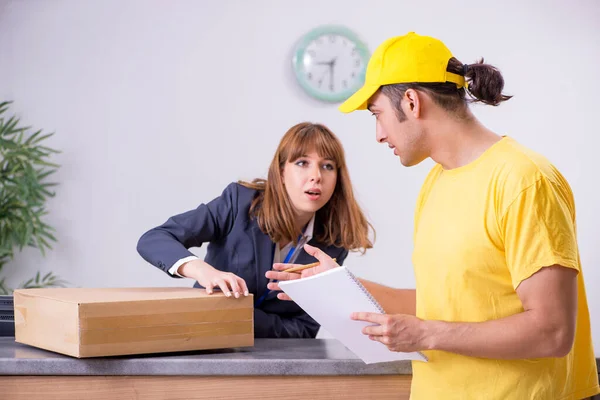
<point x="24" y="189"/>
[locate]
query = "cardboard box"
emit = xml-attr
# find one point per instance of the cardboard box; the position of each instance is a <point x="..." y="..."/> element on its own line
<point x="105" y="322"/>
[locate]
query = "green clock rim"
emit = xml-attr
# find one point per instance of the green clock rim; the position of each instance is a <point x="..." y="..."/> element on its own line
<point x="299" y="57"/>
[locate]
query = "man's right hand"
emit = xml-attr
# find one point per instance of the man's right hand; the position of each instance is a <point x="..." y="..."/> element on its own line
<point x="325" y="263"/>
<point x="210" y="278"/>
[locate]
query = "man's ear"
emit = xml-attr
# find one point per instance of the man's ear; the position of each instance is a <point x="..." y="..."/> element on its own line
<point x="413" y="103"/>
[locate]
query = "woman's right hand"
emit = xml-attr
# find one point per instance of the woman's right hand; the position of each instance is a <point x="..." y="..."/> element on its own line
<point x="210" y="278"/>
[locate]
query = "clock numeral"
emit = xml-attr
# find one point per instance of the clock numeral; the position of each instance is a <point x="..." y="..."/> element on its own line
<point x="344" y="42"/>
<point x="353" y="74"/>
<point x="357" y="62"/>
<point x="331" y="87"/>
<point x="353" y="51"/>
<point x="309" y="76"/>
<point x="332" y="38"/>
<point x="319" y="41"/>
<point x="345" y="83"/>
<point x="311" y="53"/>
<point x="320" y="82"/>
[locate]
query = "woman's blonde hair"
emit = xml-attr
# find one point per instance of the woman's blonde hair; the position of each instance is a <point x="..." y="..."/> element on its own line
<point x="344" y="224"/>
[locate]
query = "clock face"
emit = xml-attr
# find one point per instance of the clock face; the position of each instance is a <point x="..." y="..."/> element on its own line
<point x="330" y="63"/>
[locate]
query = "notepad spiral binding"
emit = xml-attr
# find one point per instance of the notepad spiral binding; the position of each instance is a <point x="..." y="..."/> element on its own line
<point x="365" y="291"/>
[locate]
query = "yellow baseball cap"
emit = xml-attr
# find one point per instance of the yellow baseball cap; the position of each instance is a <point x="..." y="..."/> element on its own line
<point x="404" y="59"/>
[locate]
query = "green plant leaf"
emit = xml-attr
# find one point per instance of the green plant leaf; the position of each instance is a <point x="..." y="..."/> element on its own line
<point x="43" y="137"/>
<point x="32" y="137"/>
<point x="4" y="106"/>
<point x="4" y="290"/>
<point x="48" y="280"/>
<point x="47" y="164"/>
<point x="9" y="126"/>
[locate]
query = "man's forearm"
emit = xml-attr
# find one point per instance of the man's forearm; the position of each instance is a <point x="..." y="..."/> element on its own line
<point x="546" y="327"/>
<point x="519" y="336"/>
<point x="393" y="301"/>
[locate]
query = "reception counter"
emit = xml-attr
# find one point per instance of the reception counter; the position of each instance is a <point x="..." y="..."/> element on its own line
<point x="304" y="369"/>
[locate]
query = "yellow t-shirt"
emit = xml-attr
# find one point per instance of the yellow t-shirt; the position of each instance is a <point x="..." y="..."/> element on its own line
<point x="480" y="230"/>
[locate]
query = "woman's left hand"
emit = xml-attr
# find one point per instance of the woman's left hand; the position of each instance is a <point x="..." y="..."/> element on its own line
<point x="325" y="263"/>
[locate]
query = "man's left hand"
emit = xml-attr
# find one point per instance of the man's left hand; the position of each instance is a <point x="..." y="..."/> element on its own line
<point x="400" y="332"/>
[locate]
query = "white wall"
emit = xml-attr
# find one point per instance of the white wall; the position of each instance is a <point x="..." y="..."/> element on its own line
<point x="157" y="105"/>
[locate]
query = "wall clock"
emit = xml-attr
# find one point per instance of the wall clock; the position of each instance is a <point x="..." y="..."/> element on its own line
<point x="330" y="63"/>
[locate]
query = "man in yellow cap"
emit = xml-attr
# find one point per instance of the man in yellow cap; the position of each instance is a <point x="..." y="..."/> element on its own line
<point x="501" y="309"/>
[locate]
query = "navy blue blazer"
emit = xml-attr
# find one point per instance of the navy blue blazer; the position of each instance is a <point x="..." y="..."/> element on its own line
<point x="237" y="245"/>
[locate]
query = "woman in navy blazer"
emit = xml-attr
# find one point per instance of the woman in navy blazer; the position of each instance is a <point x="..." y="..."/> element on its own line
<point x="307" y="198"/>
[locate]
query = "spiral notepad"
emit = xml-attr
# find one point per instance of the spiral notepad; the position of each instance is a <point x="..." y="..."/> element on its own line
<point x="364" y="290"/>
<point x="330" y="298"/>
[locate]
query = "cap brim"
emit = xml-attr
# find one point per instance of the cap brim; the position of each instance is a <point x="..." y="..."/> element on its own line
<point x="358" y="101"/>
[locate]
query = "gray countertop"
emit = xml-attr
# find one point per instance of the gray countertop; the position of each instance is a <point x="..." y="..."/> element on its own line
<point x="267" y="357"/>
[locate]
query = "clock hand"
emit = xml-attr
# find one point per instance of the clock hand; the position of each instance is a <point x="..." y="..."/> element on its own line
<point x="331" y="77"/>
<point x="331" y="70"/>
<point x="330" y="62"/>
<point x="331" y="65"/>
